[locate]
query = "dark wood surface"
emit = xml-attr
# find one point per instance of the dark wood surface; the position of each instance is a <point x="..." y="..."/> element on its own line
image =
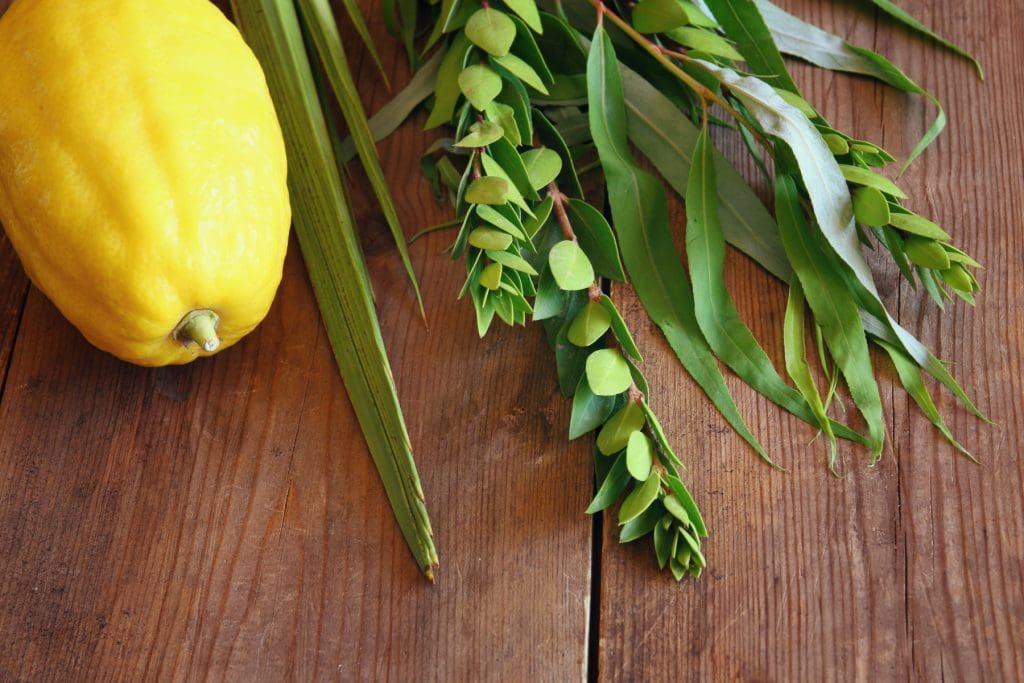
<point x="224" y="520"/>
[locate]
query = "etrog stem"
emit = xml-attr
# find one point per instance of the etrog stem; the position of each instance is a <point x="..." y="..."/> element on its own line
<point x="200" y="327"/>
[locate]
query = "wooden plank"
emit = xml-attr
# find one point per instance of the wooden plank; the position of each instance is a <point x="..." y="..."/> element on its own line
<point x="911" y="569"/>
<point x="13" y="289"/>
<point x="962" y="524"/>
<point x="224" y="519"/>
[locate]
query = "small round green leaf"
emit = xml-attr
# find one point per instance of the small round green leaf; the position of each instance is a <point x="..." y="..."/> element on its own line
<point x="480" y="84"/>
<point x="481" y="133"/>
<point x="958" y="278"/>
<point x="684" y="498"/>
<point x="687" y="540"/>
<point x="621" y="331"/>
<point x="957" y="256"/>
<point x="608" y="372"/>
<point x="926" y="253"/>
<point x="697" y="17"/>
<point x="662" y="531"/>
<point x="641" y="498"/>
<point x="541" y="214"/>
<point x="588" y="411"/>
<point x="870" y="206"/>
<point x="589" y="325"/>
<point x="492" y="31"/>
<point x="683" y="557"/>
<point x="837" y="144"/>
<point x="490" y="238"/>
<point x="658" y="16"/>
<point x="865" y="176"/>
<point x="639" y="456"/>
<point x="542" y="166"/>
<point x="527" y="11"/>
<point x="526" y="73"/>
<point x="705" y="41"/>
<point x="493" y="167"/>
<point x="678" y="570"/>
<point x="615" y="434"/>
<point x="611" y="488"/>
<point x="495" y="218"/>
<point x="675" y="508"/>
<point x="917" y="225"/>
<point x="490" y="277"/>
<point x="642" y="525"/>
<point x="487" y="190"/>
<point x="505" y="116"/>
<point x="513" y="261"/>
<point x="570" y="266"/>
<point x="865" y="147"/>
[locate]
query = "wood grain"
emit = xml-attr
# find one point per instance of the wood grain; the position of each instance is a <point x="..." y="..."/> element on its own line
<point x="911" y="570"/>
<point x="13" y="290"/>
<point x="224" y="520"/>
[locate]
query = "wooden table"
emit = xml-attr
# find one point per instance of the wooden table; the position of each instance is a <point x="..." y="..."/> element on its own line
<point x="224" y="520"/>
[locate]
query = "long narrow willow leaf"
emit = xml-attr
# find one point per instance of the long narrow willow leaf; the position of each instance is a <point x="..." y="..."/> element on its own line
<point x="663" y="134"/>
<point x="331" y="251"/>
<point x="876" y="319"/>
<point x="397" y="110"/>
<point x="796" y="37"/>
<point x="324" y="31"/>
<point x="799" y="38"/>
<point x="910" y="377"/>
<point x="749" y="22"/>
<point x="906" y="18"/>
<point x="824" y="182"/>
<point x="823" y="179"/>
<point x="834" y="309"/>
<point x="407" y="11"/>
<point x="359" y="22"/>
<point x="796" y="363"/>
<point x="730" y="339"/>
<point x="640" y="213"/>
<point x="666" y="136"/>
<point x="659" y="131"/>
<point x="744" y="24"/>
<point x="889" y="331"/>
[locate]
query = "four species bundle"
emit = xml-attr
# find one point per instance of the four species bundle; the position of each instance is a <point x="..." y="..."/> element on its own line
<point x="532" y="91"/>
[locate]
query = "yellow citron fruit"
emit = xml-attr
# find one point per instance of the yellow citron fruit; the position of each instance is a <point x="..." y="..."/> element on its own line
<point x="142" y="172"/>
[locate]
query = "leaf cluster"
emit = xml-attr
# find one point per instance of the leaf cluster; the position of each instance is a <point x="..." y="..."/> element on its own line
<point x="529" y="98"/>
<point x="535" y="249"/>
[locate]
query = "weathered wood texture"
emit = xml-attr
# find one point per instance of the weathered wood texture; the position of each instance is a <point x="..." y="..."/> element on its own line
<point x="224" y="520"/>
<point x="911" y="570"/>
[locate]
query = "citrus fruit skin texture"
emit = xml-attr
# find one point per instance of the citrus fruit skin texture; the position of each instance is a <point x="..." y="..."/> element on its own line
<point x="142" y="170"/>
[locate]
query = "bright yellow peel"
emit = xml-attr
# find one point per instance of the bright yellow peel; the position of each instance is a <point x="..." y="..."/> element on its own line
<point x="142" y="172"/>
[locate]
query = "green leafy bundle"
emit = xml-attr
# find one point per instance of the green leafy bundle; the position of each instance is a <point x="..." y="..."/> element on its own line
<point x="529" y="96"/>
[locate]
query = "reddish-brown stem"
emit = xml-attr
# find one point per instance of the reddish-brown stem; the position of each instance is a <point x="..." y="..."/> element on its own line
<point x="662" y="57"/>
<point x="559" y="200"/>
